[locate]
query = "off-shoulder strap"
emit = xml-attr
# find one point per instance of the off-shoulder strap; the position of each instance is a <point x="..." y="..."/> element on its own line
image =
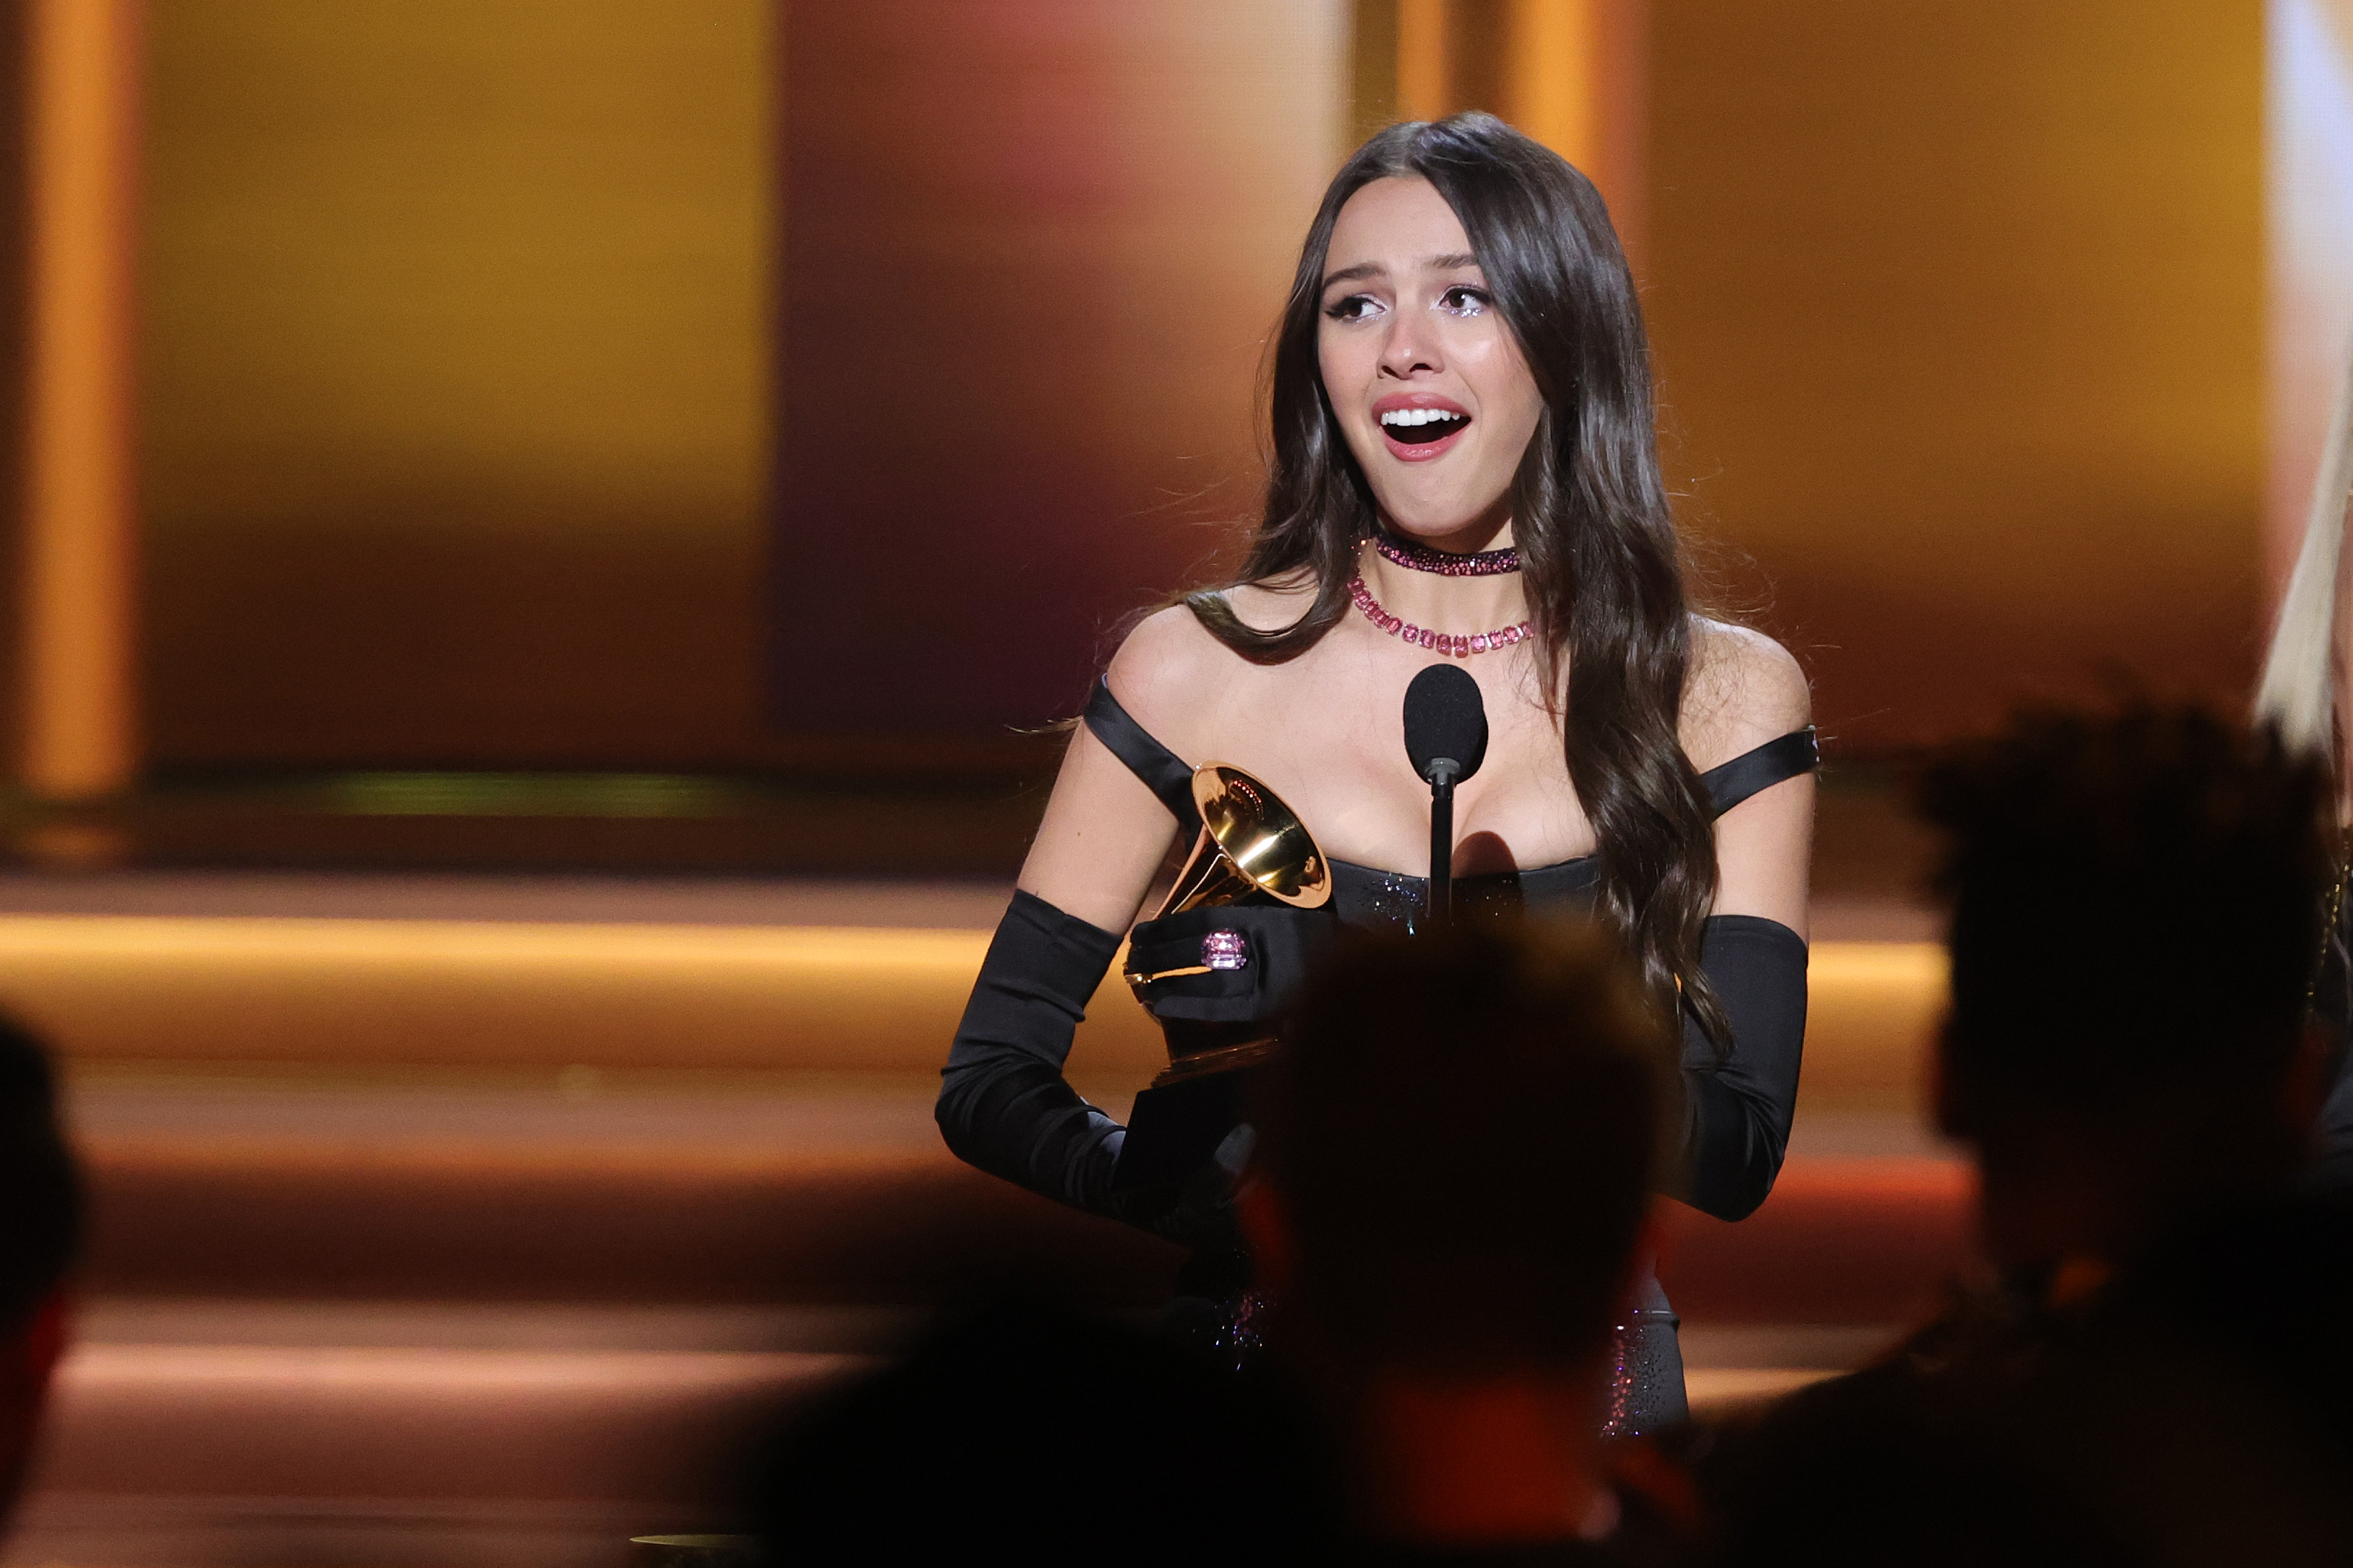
<point x="1167" y="776"/>
<point x="1163" y="772"/>
<point x="1785" y="758"/>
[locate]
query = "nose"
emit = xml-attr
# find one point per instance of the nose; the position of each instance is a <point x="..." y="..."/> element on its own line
<point x="1410" y="348"/>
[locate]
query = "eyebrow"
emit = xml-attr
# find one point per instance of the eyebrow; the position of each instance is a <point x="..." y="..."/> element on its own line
<point x="1450" y="262"/>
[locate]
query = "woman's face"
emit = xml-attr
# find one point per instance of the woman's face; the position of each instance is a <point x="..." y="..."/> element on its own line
<point x="1426" y="381"/>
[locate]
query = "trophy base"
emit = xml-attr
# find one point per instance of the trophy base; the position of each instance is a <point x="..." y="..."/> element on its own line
<point x="1178" y="1122"/>
<point x="1224" y="1058"/>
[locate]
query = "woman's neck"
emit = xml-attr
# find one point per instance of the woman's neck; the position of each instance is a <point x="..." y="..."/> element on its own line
<point x="1491" y="530"/>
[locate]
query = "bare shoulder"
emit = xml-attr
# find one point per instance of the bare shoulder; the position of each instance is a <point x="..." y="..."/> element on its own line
<point x="1168" y="675"/>
<point x="1173" y="673"/>
<point x="1169" y="647"/>
<point x="1744" y="690"/>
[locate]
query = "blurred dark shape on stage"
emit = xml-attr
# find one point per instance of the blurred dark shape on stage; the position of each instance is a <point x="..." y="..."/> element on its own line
<point x="41" y="1232"/>
<point x="1457" y="1159"/>
<point x="1445" y="1203"/>
<point x="1024" y="1431"/>
<point x="2155" y="1369"/>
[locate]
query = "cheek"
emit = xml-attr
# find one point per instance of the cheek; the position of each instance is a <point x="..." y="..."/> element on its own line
<point x="1527" y="409"/>
<point x="1339" y="358"/>
<point x="1508" y="395"/>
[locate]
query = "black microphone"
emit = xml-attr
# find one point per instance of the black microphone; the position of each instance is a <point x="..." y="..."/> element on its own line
<point x="1446" y="738"/>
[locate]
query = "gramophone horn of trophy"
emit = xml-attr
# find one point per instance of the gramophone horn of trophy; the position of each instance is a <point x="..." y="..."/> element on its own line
<point x="1250" y="843"/>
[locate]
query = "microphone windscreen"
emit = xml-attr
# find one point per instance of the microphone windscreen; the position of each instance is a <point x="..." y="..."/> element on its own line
<point x="1445" y="717"/>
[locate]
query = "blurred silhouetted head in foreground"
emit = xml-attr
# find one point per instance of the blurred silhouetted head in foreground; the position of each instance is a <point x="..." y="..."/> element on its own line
<point x="1453" y="1171"/>
<point x="40" y="1222"/>
<point x="1459" y="1145"/>
<point x="2136" y="919"/>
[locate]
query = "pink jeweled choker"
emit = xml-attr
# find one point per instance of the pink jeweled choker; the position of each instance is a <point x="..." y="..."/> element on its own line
<point x="1416" y="557"/>
<point x="1439" y="642"/>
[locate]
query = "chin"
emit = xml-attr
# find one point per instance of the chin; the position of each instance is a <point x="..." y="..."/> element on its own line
<point x="1424" y="524"/>
<point x="1428" y="511"/>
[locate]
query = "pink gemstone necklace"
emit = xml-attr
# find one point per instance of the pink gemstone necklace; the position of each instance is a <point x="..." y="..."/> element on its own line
<point x="1437" y="642"/>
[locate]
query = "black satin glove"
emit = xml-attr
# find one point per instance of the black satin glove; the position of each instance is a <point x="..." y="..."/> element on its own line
<point x="1279" y="947"/>
<point x="1004" y="1105"/>
<point x="1738" y="1105"/>
<point x="1204" y="1217"/>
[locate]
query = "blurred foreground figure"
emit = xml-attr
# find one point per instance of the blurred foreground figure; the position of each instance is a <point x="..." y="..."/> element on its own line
<point x="1453" y="1168"/>
<point x="40" y="1214"/>
<point x="1029" y="1434"/>
<point x="1454" y="1175"/>
<point x="2159" y="1371"/>
<point x="2302" y="697"/>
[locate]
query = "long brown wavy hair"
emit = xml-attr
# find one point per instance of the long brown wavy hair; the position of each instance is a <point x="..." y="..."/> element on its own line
<point x="1604" y="572"/>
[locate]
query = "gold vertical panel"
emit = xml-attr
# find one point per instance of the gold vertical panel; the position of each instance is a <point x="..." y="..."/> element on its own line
<point x="78" y="706"/>
<point x="1552" y="94"/>
<point x="1425" y="87"/>
<point x="1576" y="80"/>
<point x="1567" y="72"/>
<point x="457" y="352"/>
<point x="1373" y="54"/>
<point x="1479" y="69"/>
<point x="1958" y="309"/>
<point x="1619" y="98"/>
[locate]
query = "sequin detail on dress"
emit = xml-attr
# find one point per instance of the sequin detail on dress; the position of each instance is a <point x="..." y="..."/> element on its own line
<point x="1388" y="899"/>
<point x="1646" y="1371"/>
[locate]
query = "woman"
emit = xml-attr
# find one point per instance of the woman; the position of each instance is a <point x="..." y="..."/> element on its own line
<point x="2301" y="697"/>
<point x="1463" y="442"/>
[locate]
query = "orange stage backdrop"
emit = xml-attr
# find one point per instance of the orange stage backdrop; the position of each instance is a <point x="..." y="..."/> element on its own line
<point x="1031" y="251"/>
<point x="488" y="348"/>
<point x="1959" y="305"/>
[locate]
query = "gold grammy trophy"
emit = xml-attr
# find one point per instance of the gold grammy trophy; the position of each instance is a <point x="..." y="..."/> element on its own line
<point x="1250" y="843"/>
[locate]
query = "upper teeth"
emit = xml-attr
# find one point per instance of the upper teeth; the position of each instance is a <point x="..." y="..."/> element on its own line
<point x="1418" y="415"/>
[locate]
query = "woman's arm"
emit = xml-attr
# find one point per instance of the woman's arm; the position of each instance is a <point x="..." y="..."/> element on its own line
<point x="1004" y="1104"/>
<point x="1738" y="1104"/>
<point x="1103" y="838"/>
<point x="1105" y="834"/>
<point x="1749" y="690"/>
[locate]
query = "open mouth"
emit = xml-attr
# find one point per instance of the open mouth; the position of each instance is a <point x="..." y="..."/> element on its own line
<point x="1421" y="427"/>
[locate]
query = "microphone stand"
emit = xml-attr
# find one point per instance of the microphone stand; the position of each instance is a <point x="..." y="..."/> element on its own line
<point x="1443" y="771"/>
<point x="1446" y="739"/>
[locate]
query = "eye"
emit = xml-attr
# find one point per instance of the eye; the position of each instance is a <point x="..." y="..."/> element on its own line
<point x="1354" y="308"/>
<point x="1462" y="299"/>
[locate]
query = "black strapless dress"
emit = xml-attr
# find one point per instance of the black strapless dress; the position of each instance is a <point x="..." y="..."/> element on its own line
<point x="1647" y="1388"/>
